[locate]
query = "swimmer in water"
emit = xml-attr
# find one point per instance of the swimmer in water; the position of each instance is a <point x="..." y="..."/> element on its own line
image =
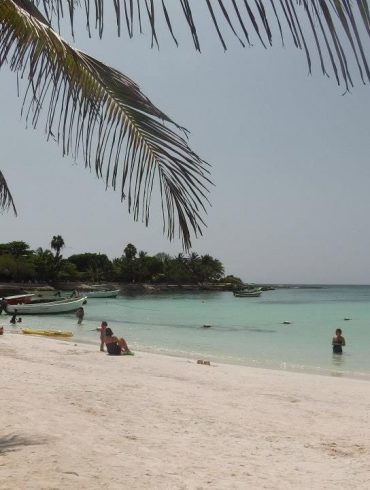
<point x="338" y="342"/>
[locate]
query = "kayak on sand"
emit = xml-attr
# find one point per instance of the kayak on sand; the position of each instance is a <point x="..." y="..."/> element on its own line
<point x="48" y="333"/>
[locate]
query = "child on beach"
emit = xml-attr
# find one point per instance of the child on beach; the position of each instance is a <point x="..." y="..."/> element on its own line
<point x="102" y="330"/>
<point x="338" y="342"/>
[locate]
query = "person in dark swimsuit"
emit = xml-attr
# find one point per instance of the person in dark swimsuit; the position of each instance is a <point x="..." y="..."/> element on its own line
<point x="13" y="319"/>
<point x="3" y="305"/>
<point x="80" y="313"/>
<point x="338" y="342"/>
<point x="115" y="346"/>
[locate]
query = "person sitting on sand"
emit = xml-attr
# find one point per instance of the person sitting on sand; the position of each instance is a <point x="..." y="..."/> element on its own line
<point x="115" y="346"/>
<point x="338" y="342"/>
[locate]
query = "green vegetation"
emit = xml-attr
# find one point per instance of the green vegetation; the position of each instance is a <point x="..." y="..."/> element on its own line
<point x="19" y="263"/>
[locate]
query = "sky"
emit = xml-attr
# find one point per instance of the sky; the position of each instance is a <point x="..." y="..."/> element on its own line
<point x="289" y="155"/>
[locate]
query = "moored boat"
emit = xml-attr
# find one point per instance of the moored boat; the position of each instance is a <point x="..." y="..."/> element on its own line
<point x="102" y="293"/>
<point x="245" y="293"/>
<point x="47" y="308"/>
<point x="18" y="299"/>
<point x="47" y="333"/>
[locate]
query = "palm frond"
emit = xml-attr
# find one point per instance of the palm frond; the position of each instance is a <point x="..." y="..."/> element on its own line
<point x="6" y="199"/>
<point x="331" y="28"/>
<point x="94" y="110"/>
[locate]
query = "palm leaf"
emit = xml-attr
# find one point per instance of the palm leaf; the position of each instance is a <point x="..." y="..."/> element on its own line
<point x="94" y="110"/>
<point x="6" y="199"/>
<point x="330" y="26"/>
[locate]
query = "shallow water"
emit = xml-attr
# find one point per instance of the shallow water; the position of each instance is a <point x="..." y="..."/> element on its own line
<point x="243" y="330"/>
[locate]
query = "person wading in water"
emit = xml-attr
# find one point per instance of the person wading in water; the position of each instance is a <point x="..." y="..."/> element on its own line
<point x="338" y="342"/>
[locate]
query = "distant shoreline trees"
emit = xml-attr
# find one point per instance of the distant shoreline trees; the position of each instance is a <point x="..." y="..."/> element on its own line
<point x="18" y="263"/>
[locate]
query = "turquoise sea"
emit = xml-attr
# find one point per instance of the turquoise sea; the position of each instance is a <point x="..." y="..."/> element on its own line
<point x="244" y="330"/>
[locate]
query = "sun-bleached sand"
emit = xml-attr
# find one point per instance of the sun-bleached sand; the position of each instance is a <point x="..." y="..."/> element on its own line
<point x="74" y="418"/>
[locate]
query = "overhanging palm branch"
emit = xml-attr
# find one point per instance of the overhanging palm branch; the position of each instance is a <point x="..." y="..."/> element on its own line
<point x="6" y="199"/>
<point x="95" y="110"/>
<point x="329" y="27"/>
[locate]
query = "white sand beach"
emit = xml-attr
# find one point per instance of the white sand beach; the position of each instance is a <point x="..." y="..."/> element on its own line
<point x="74" y="418"/>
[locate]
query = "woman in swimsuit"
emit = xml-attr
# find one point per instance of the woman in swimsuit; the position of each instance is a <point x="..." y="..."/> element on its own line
<point x="115" y="346"/>
<point x="338" y="342"/>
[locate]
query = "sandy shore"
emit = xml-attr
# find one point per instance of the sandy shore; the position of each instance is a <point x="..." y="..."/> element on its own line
<point x="74" y="418"/>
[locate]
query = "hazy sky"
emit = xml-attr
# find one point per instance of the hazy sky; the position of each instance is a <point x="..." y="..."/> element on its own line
<point x="289" y="155"/>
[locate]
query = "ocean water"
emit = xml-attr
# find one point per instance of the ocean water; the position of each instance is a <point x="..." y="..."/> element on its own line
<point x="243" y="330"/>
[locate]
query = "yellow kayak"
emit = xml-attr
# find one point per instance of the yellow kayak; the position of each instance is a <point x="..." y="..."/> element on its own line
<point x="48" y="333"/>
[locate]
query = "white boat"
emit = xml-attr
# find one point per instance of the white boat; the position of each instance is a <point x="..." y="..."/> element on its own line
<point x="47" y="308"/>
<point x="18" y="299"/>
<point x="247" y="294"/>
<point x="102" y="293"/>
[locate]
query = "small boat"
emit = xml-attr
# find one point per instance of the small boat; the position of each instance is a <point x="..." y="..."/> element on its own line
<point x="245" y="293"/>
<point x="47" y="308"/>
<point x="18" y="299"/>
<point x="102" y="293"/>
<point x="47" y="333"/>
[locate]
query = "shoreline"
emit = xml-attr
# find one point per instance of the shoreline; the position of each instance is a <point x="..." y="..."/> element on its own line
<point x="155" y="288"/>
<point x="166" y="422"/>
<point x="253" y="365"/>
<point x="125" y="288"/>
<point x="322" y="372"/>
<point x="258" y="364"/>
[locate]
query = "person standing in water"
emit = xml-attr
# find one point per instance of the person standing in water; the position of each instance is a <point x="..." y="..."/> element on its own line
<point x="80" y="313"/>
<point x="3" y="305"/>
<point x="338" y="342"/>
<point x="13" y="319"/>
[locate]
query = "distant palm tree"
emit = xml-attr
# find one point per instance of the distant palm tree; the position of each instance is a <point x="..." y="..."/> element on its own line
<point x="130" y="251"/>
<point x="93" y="110"/>
<point x="57" y="243"/>
<point x="45" y="264"/>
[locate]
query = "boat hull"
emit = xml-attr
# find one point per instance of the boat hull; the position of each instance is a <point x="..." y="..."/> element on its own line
<point x="102" y="294"/>
<point x="49" y="308"/>
<point x="256" y="294"/>
<point x="18" y="299"/>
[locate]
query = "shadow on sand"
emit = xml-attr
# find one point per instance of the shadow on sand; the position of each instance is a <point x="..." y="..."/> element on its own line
<point x="15" y="442"/>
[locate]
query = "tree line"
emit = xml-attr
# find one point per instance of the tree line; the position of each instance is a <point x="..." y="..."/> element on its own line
<point x="19" y="263"/>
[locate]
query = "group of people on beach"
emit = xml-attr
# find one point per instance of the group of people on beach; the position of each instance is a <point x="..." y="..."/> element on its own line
<point x="117" y="346"/>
